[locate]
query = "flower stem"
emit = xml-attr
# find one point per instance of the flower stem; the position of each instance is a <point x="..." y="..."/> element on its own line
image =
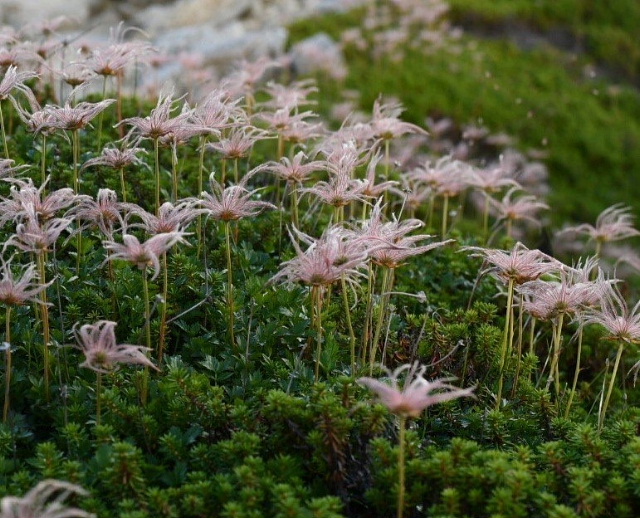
<point x="518" y="348"/>
<point x="485" y="219"/>
<point x="505" y="342"/>
<point x="352" y="335"/>
<point x="163" y="315"/>
<point x="147" y="328"/>
<point x="45" y="324"/>
<point x="294" y="205"/>
<point x="384" y="303"/>
<point x="122" y="185"/>
<point x="316" y="298"/>
<point x="75" y="141"/>
<point x="101" y="116"/>
<point x="368" y="319"/>
<point x="557" y="342"/>
<point x="147" y="308"/>
<point x="4" y="135"/>
<point x="401" y="483"/>
<point x="445" y="213"/>
<point x="575" y="375"/>
<point x="156" y="154"/>
<point x="203" y="141"/>
<point x="174" y="172"/>
<point x="230" y="304"/>
<point x="43" y="159"/>
<point x="611" y="384"/>
<point x="98" y="393"/>
<point x="7" y="370"/>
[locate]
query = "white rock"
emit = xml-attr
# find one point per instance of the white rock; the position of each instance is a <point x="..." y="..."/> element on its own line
<point x="319" y="53"/>
<point x="221" y="44"/>
<point x="184" y="13"/>
<point x="21" y="12"/>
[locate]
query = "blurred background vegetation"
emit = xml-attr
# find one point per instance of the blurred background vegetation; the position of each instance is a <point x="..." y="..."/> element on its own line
<point x="560" y="76"/>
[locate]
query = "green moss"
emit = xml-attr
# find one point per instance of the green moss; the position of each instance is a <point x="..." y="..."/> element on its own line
<point x="542" y="98"/>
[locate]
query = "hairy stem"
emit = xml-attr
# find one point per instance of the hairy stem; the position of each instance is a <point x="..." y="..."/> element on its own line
<point x="352" y="335"/>
<point x="611" y="384"/>
<point x="294" y="205"/>
<point x="382" y="310"/>
<point x="203" y="141"/>
<point x="7" y="369"/>
<point x="230" y="303"/>
<point x="506" y="337"/>
<point x="45" y="324"/>
<point x="156" y="154"/>
<point x="401" y="483"/>
<point x="576" y="374"/>
<point x="445" y="213"/>
<point x="174" y="172"/>
<point x="316" y="297"/>
<point x="485" y="219"/>
<point x="123" y="188"/>
<point x="147" y="329"/>
<point x="163" y="315"/>
<point x="368" y="319"/>
<point x="101" y="117"/>
<point x="554" y="373"/>
<point x="98" y="393"/>
<point x="4" y="134"/>
<point x="43" y="159"/>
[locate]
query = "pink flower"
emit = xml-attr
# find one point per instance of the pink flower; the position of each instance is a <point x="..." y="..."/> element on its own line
<point x="520" y="264"/>
<point x="170" y="218"/>
<point x="572" y="294"/>
<point x="233" y="202"/>
<point x="112" y="60"/>
<point x="14" y="80"/>
<point x="98" y="343"/>
<point x="144" y="254"/>
<point x="116" y="158"/>
<point x="293" y="95"/>
<point x="621" y="322"/>
<point x="613" y="224"/>
<point x="416" y="394"/>
<point x="386" y="124"/>
<point x="35" y="236"/>
<point x="71" y="118"/>
<point x="388" y="243"/>
<point x="326" y="260"/>
<point x="238" y="142"/>
<point x="159" y="122"/>
<point x="104" y="212"/>
<point x="40" y="502"/>
<point x="373" y="189"/>
<point x="7" y="169"/>
<point x="26" y="200"/>
<point x="294" y="170"/>
<point x="525" y="207"/>
<point x="17" y="291"/>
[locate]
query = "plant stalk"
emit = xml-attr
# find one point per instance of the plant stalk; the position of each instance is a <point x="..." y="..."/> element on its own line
<point x="611" y="384"/>
<point x="506" y="338"/>
<point x="7" y="370"/>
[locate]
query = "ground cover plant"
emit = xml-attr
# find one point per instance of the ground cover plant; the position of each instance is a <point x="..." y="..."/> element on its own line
<point x="250" y="298"/>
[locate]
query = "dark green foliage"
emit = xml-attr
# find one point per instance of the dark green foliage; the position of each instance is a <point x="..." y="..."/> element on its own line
<point x="607" y="34"/>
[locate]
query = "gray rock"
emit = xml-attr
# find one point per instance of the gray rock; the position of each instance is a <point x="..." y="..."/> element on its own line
<point x="222" y="47"/>
<point x="317" y="53"/>
<point x="185" y="13"/>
